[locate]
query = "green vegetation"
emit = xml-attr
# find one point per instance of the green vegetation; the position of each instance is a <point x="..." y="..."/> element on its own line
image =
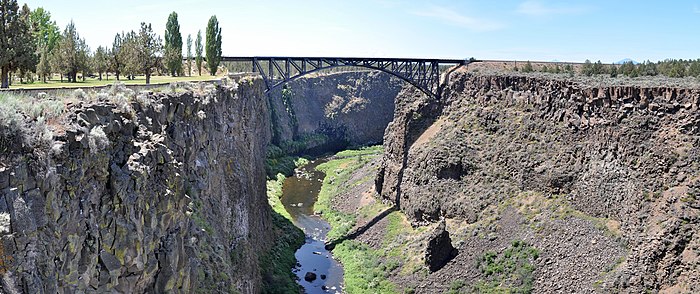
<point x="213" y="45"/>
<point x="33" y="48"/>
<point x="13" y="132"/>
<point x="365" y="272"/>
<point x="189" y="55"/>
<point x="95" y="82"/>
<point x="274" y="193"/>
<point x="366" y="269"/>
<point x="278" y="262"/>
<point x="507" y="272"/>
<point x="17" y="45"/>
<point x="46" y="35"/>
<point x="278" y="162"/>
<point x="198" y="48"/>
<point x="338" y="172"/>
<point x="173" y="45"/>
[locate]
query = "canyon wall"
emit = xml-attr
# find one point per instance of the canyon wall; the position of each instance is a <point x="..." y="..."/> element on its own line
<point x="141" y="193"/>
<point x="331" y="112"/>
<point x="603" y="179"/>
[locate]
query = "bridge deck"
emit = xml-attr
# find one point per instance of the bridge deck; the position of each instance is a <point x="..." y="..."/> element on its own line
<point x="424" y="73"/>
<point x="353" y="59"/>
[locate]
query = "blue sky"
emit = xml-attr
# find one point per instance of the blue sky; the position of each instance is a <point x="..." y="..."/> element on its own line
<point x="506" y="29"/>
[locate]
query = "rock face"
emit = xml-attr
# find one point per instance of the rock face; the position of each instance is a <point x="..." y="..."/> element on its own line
<point x="163" y="195"/>
<point x="602" y="179"/>
<point x="349" y="109"/>
<point x="439" y="249"/>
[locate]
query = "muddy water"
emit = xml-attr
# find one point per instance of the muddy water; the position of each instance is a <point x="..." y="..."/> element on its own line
<point x="299" y="195"/>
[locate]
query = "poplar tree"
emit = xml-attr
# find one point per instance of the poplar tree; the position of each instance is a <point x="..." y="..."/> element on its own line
<point x="189" y="55"/>
<point x="213" y="46"/>
<point x="173" y="45"/>
<point x="198" y="48"/>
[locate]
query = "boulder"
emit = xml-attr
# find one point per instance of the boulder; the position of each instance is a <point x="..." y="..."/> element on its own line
<point x="310" y="277"/>
<point x="439" y="250"/>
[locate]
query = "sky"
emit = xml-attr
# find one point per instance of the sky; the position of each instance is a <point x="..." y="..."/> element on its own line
<point x="538" y="30"/>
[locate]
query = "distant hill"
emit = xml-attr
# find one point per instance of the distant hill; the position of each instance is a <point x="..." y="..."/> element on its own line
<point x="626" y="60"/>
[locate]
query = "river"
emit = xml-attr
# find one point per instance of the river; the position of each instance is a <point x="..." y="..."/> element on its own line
<point x="299" y="194"/>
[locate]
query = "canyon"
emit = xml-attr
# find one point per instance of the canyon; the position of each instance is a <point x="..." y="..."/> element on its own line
<point x="587" y="185"/>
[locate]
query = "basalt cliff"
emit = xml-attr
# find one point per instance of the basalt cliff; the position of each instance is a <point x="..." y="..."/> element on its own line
<point x="602" y="179"/>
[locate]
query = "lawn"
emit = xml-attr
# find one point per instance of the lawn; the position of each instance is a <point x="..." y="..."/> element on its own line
<point x="90" y="82"/>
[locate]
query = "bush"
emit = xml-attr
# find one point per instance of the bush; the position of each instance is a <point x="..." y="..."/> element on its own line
<point x="79" y="94"/>
<point x="510" y="271"/>
<point x="97" y="140"/>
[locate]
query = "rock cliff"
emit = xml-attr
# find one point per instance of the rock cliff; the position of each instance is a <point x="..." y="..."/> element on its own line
<point x="601" y="179"/>
<point x="144" y="193"/>
<point x="330" y="112"/>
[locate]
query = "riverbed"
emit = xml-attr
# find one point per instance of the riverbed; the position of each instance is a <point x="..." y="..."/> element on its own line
<point x="299" y="194"/>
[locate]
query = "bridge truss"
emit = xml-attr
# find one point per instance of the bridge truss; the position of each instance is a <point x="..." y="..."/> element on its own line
<point x="424" y="74"/>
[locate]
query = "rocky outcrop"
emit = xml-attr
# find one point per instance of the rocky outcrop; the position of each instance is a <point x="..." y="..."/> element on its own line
<point x="558" y="159"/>
<point x="439" y="249"/>
<point x="331" y="112"/>
<point x="162" y="193"/>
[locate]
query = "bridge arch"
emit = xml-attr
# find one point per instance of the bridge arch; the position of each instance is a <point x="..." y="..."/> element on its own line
<point x="423" y="74"/>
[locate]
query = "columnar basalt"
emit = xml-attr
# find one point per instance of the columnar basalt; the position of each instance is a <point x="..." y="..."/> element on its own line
<point x="162" y="193"/>
<point x="625" y="157"/>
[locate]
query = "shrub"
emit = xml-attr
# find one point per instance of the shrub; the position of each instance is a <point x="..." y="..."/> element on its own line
<point x="79" y="94"/>
<point x="510" y="271"/>
<point x="97" y="140"/>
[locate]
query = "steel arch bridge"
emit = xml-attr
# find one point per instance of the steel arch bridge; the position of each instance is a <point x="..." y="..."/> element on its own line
<point x="422" y="73"/>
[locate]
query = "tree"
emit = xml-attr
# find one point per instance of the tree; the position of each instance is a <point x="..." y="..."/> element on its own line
<point x="43" y="68"/>
<point x="213" y="46"/>
<point x="100" y="61"/>
<point x="46" y="34"/>
<point x="84" y="58"/>
<point x="173" y="45"/>
<point x="528" y="67"/>
<point x="587" y="68"/>
<point x="69" y="53"/>
<point x="129" y="54"/>
<point x="198" y="51"/>
<point x="629" y="69"/>
<point x="189" y="55"/>
<point x="598" y="68"/>
<point x="149" y="47"/>
<point x="17" y="47"/>
<point x="26" y="46"/>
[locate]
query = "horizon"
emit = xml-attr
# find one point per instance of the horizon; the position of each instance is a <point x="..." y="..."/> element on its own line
<point x="547" y="31"/>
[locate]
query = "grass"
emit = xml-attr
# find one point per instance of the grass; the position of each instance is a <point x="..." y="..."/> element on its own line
<point x="92" y="82"/>
<point x="277" y="263"/>
<point x="367" y="270"/>
<point x="338" y="172"/>
<point x="274" y="193"/>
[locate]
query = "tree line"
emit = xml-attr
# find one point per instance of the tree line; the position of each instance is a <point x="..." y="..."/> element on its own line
<point x="674" y="68"/>
<point x="32" y="46"/>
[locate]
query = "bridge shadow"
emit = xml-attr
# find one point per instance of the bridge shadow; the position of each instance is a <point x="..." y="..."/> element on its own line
<point x="362" y="229"/>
